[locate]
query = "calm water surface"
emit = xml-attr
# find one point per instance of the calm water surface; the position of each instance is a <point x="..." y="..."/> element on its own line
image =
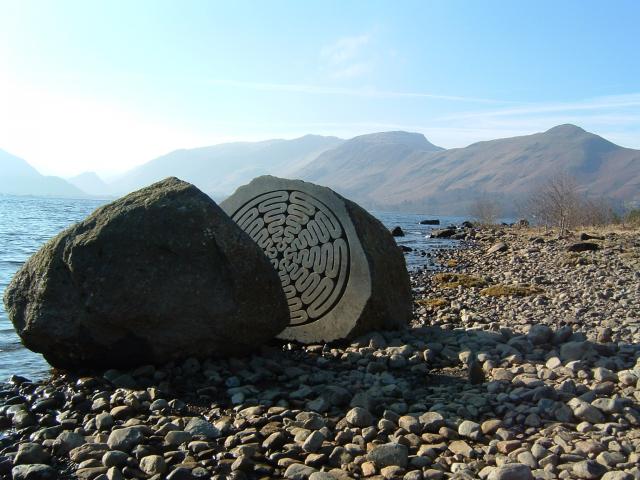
<point x="26" y="223"/>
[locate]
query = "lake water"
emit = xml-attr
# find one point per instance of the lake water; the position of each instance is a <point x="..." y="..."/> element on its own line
<point x="26" y="223"/>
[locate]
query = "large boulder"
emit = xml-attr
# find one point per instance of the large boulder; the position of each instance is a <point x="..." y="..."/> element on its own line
<point x="160" y="274"/>
<point x="340" y="268"/>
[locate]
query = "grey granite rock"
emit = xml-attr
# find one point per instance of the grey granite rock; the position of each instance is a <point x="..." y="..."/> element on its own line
<point x="389" y="454"/>
<point x="511" y="471"/>
<point x="34" y="472"/>
<point x="159" y="274"/>
<point x="125" y="438"/>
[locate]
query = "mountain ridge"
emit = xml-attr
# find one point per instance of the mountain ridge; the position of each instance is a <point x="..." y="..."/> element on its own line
<point x="20" y="178"/>
<point x="234" y="163"/>
<point x="397" y="170"/>
<point x="507" y="167"/>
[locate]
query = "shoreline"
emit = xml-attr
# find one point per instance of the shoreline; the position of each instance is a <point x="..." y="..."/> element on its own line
<point x="540" y="386"/>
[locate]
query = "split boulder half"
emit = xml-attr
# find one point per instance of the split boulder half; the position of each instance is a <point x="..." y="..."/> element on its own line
<point x="340" y="268"/>
<point x="160" y="274"/>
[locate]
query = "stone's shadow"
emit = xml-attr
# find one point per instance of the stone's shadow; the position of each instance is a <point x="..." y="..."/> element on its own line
<point x="538" y="383"/>
<point x="404" y="372"/>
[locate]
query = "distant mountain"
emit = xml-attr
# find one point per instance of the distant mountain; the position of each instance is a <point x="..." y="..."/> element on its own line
<point x="389" y="170"/>
<point x="17" y="177"/>
<point x="220" y="169"/>
<point x="90" y="182"/>
<point x="446" y="181"/>
<point x="358" y="165"/>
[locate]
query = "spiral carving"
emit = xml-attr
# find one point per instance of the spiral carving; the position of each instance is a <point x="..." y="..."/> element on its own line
<point x="306" y="244"/>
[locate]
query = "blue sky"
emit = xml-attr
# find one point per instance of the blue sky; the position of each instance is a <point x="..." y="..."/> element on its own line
<point x="107" y="85"/>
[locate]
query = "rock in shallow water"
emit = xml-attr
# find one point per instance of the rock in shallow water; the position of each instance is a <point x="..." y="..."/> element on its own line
<point x="340" y="268"/>
<point x="159" y="274"/>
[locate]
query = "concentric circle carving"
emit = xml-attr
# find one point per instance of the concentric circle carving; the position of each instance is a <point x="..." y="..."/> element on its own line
<point x="306" y="244"/>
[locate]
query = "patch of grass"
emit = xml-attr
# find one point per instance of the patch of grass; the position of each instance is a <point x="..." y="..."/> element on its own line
<point x="455" y="280"/>
<point x="452" y="263"/>
<point x="433" y="302"/>
<point x="575" y="259"/>
<point x="510" y="290"/>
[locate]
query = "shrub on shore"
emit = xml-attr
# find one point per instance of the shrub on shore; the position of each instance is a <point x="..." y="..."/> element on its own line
<point x="632" y="217"/>
<point x="510" y="290"/>
<point x="433" y="302"/>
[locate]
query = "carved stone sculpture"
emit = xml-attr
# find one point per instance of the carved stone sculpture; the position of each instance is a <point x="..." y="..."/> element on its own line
<point x="340" y="268"/>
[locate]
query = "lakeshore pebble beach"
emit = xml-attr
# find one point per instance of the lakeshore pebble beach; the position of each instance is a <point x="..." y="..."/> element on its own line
<point x="522" y="361"/>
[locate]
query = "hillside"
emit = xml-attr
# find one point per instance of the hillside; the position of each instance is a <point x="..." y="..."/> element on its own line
<point x="446" y="181"/>
<point x="388" y="170"/>
<point x="220" y="169"/>
<point x="90" y="182"/>
<point x="358" y="165"/>
<point x="20" y="178"/>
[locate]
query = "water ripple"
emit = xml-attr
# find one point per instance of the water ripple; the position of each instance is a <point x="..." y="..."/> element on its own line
<point x="26" y="223"/>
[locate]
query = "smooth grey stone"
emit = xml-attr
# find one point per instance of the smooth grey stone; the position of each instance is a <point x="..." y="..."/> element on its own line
<point x="359" y="417"/>
<point x="432" y="421"/>
<point x="67" y="441"/>
<point x="617" y="475"/>
<point x="585" y="411"/>
<point x="313" y="442"/>
<point x="469" y="429"/>
<point x="87" y="451"/>
<point x="341" y="269"/>
<point x="575" y="351"/>
<point x="114" y="473"/>
<point x="200" y="427"/>
<point x="115" y="458"/>
<point x="498" y="247"/>
<point x="511" y="471"/>
<point x="34" y="472"/>
<point x="321" y="476"/>
<point x="540" y="334"/>
<point x="104" y="421"/>
<point x="153" y="465"/>
<point x="125" y="439"/>
<point x="389" y="454"/>
<point x="180" y="473"/>
<point x="31" y="453"/>
<point x="298" y="471"/>
<point x="176" y="438"/>
<point x="588" y="469"/>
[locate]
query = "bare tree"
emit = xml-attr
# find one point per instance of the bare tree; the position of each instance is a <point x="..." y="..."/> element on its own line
<point x="485" y="210"/>
<point x="555" y="202"/>
<point x="596" y="212"/>
<point x="631" y="216"/>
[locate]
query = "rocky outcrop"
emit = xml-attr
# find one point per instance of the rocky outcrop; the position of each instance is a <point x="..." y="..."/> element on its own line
<point x="582" y="247"/>
<point x="397" y="231"/>
<point x="157" y="275"/>
<point x="443" y="233"/>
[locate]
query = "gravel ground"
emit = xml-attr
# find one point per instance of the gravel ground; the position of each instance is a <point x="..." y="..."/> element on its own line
<point x="523" y="361"/>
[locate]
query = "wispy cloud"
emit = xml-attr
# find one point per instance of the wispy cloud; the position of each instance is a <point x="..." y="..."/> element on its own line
<point x="348" y="57"/>
<point x="597" y="103"/>
<point x="616" y="117"/>
<point x="345" y="49"/>
<point x="354" y="92"/>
